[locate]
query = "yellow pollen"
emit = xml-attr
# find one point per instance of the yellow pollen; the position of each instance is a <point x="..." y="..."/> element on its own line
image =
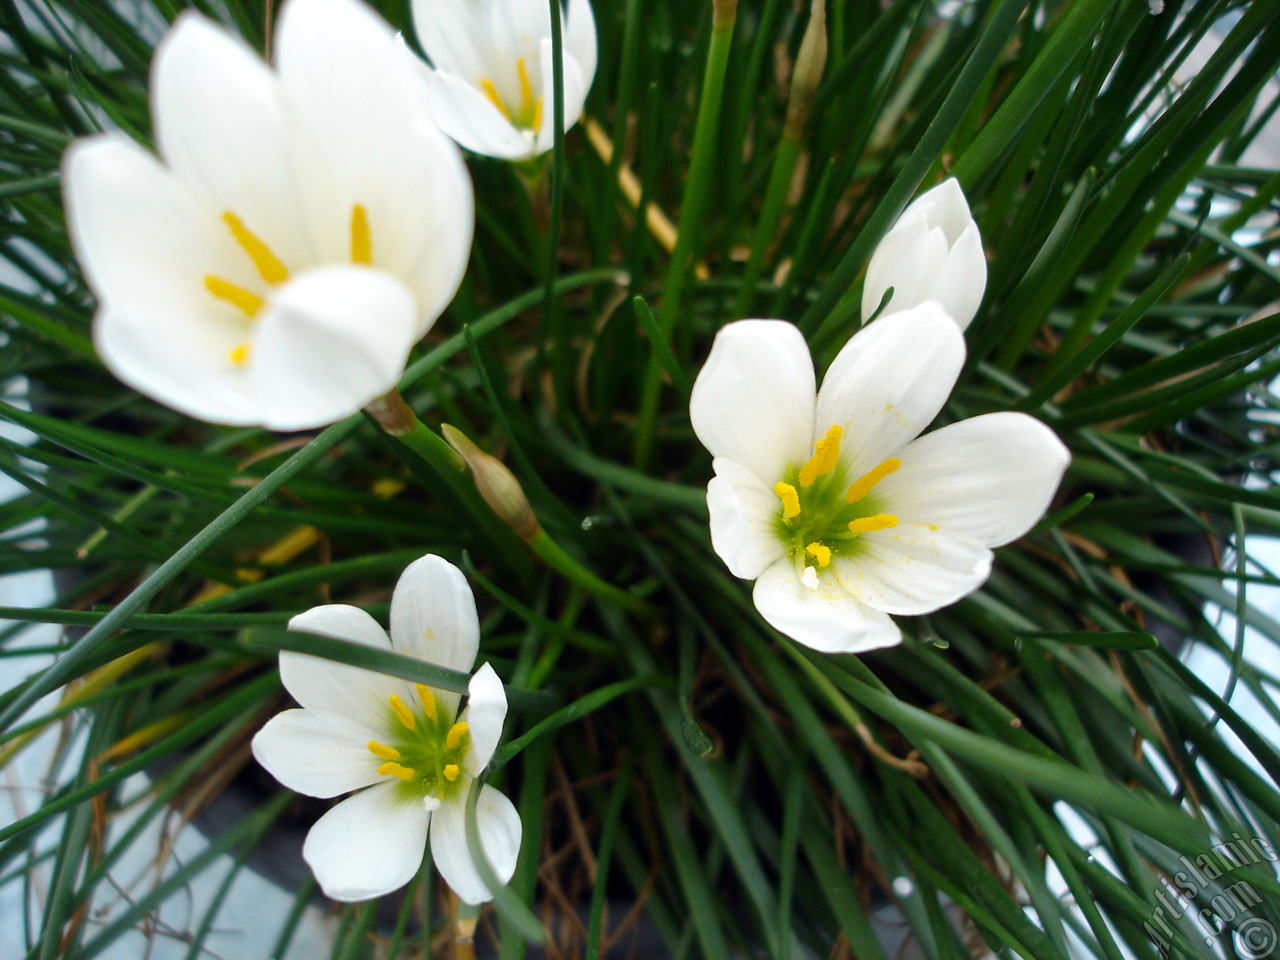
<point x="451" y="771"/>
<point x="491" y="92"/>
<point x="537" y="115"/>
<point x="790" y="499"/>
<point x="403" y="713"/>
<point x="239" y="297"/>
<point x="240" y="354"/>
<point x="526" y="88"/>
<point x="268" y="264"/>
<point x="825" y="454"/>
<point x="881" y="521"/>
<point x="382" y="751"/>
<point x="820" y="552"/>
<point x="862" y="486"/>
<point x="398" y="770"/>
<point x="428" y="700"/>
<point x="455" y="734"/>
<point x="361" y="241"/>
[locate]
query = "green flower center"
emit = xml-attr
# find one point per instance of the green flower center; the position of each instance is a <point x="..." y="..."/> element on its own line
<point x="824" y="513"/>
<point x="426" y="750"/>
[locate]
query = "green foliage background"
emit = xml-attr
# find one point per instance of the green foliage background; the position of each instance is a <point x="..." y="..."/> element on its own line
<point x="755" y="798"/>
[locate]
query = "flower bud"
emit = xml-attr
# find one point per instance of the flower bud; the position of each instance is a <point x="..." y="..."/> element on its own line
<point x="810" y="62"/>
<point x="498" y="485"/>
<point x="933" y="252"/>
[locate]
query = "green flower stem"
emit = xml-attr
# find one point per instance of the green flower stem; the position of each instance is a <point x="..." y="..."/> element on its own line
<point x="692" y="208"/>
<point x="556" y="558"/>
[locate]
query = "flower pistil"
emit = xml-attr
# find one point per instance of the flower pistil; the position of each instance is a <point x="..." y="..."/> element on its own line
<point x="529" y="116"/>
<point x="426" y="751"/>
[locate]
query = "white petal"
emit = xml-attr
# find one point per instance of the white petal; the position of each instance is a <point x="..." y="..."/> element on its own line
<point x="498" y="823"/>
<point x="336" y="687"/>
<point x="222" y="124"/>
<point x="575" y="96"/>
<point x="364" y="95"/>
<point x="329" y="342"/>
<point x="829" y="619"/>
<point x="990" y="477"/>
<point x="744" y="515"/>
<point x="485" y="713"/>
<point x="145" y="244"/>
<point x="433" y="618"/>
<point x="893" y="265"/>
<point x="753" y="399"/>
<point x="317" y="753"/>
<point x="962" y="280"/>
<point x="580" y="39"/>
<point x="946" y="208"/>
<point x="468" y="116"/>
<point x="914" y="568"/>
<point x="451" y="33"/>
<point x="889" y="381"/>
<point x="369" y="844"/>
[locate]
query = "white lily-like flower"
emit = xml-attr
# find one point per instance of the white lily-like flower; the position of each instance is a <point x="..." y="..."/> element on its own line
<point x="833" y="504"/>
<point x="491" y="71"/>
<point x="302" y="229"/>
<point x="400" y="744"/>
<point x="932" y="252"/>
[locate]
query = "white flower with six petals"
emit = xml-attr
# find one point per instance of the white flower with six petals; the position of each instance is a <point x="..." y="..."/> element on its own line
<point x="397" y="743"/>
<point x="304" y="227"/>
<point x="932" y="252"/>
<point x="831" y="501"/>
<point x="491" y="84"/>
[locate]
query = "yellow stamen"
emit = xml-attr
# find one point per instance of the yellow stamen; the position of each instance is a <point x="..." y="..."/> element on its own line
<point x="825" y="454"/>
<point x="383" y="751"/>
<point x="537" y="115"/>
<point x="526" y="88"/>
<point x="862" y="486"/>
<point x="361" y="240"/>
<point x="820" y="552"/>
<point x="455" y="734"/>
<point x="268" y="264"/>
<point x="451" y="771"/>
<point x="250" y="303"/>
<point x="490" y="91"/>
<point x="403" y="713"/>
<point x="428" y="700"/>
<point x="240" y="354"/>
<point x="398" y="770"/>
<point x="881" y="521"/>
<point x="790" y="499"/>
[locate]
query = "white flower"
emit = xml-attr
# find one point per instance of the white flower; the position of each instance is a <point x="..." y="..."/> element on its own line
<point x="303" y="228"/>
<point x="832" y="504"/>
<point x="933" y="252"/>
<point x="491" y="85"/>
<point x="397" y="743"/>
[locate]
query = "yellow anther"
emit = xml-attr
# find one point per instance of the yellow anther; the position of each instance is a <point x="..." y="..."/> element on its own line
<point x="403" y="713"/>
<point x="526" y="88"/>
<point x="862" y="486"/>
<point x="382" y="751"/>
<point x="491" y="92"/>
<point x="820" y="552"/>
<point x="455" y="734"/>
<point x="239" y="297"/>
<point x="537" y="115"/>
<point x="428" y="700"/>
<point x="361" y="240"/>
<point x="451" y="771"/>
<point x="790" y="499"/>
<point x="397" y="770"/>
<point x="239" y="354"/>
<point x="881" y="521"/>
<point x="268" y="264"/>
<point x="825" y="454"/>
